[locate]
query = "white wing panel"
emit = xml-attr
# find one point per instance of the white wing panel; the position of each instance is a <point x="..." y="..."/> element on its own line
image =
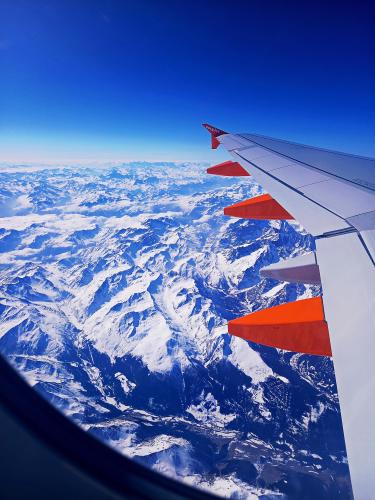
<point x="264" y="159"/>
<point x="232" y="141"/>
<point x="369" y="240"/>
<point x="340" y="197"/>
<point x="272" y="162"/>
<point x="354" y="168"/>
<point x="343" y="199"/>
<point x="348" y="280"/>
<point x="363" y="222"/>
<point x="297" y="176"/>
<point x="314" y="218"/>
<point x="254" y="153"/>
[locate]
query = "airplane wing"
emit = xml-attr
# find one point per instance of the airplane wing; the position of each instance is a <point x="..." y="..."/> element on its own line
<point x="332" y="195"/>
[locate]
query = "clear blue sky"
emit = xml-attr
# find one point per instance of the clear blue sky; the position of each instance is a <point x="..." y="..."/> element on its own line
<point x="118" y="80"/>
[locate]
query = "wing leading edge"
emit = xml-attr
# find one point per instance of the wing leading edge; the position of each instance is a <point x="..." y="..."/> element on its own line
<point x="332" y="195"/>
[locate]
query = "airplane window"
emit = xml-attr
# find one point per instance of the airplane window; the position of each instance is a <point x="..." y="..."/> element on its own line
<point x="116" y="287"/>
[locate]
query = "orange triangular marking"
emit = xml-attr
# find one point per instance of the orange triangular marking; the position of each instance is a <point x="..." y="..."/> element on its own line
<point x="229" y="169"/>
<point x="261" y="207"/>
<point x="296" y="326"/>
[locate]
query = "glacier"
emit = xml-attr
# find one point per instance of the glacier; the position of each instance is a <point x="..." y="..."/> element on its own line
<point x="117" y="282"/>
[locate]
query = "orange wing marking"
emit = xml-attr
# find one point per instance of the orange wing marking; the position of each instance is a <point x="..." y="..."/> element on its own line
<point x="296" y="326"/>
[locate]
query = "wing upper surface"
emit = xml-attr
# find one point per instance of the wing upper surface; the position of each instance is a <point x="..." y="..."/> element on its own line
<point x="336" y="163"/>
<point x="332" y="195"/>
<point x="338" y="188"/>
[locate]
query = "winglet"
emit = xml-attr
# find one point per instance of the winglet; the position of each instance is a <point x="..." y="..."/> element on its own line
<point x="215" y="132"/>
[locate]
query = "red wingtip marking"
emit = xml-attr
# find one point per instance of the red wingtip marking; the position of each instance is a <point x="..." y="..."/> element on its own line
<point x="213" y="130"/>
<point x="262" y="207"/>
<point x="297" y="326"/>
<point x="229" y="169"/>
<point x="215" y="143"/>
<point x="215" y="133"/>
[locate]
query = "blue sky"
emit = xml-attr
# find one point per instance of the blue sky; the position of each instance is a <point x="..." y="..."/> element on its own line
<point x="119" y="80"/>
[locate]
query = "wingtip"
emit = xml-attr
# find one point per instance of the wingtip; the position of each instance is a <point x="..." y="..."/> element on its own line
<point x="214" y="131"/>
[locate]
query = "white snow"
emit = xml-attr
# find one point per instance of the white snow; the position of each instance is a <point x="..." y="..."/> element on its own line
<point x="208" y="410"/>
<point x="248" y="361"/>
<point x="160" y="443"/>
<point x="126" y="384"/>
<point x="127" y="289"/>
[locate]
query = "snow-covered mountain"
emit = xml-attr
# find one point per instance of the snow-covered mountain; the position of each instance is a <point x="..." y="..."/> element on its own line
<point x="116" y="287"/>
